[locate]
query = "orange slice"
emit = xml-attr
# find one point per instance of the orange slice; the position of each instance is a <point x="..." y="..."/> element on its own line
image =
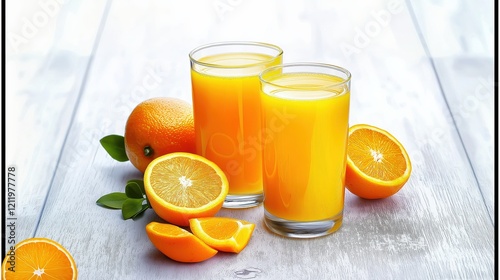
<point x="39" y="258"/>
<point x="377" y="164"/>
<point x="178" y="244"/>
<point x="223" y="234"/>
<point x="181" y="186"/>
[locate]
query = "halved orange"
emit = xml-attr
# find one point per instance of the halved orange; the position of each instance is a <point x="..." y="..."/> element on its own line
<point x="223" y="234"/>
<point x="377" y="164"/>
<point x="178" y="243"/>
<point x="181" y="186"/>
<point x="39" y="258"/>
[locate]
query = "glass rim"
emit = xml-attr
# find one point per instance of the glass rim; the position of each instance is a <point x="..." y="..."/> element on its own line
<point x="234" y="43"/>
<point x="307" y="64"/>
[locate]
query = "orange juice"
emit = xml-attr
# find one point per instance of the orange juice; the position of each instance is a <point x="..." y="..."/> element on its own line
<point x="227" y="116"/>
<point x="305" y="139"/>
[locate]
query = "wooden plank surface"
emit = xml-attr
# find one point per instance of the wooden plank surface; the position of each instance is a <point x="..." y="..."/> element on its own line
<point x="436" y="227"/>
<point x="46" y="65"/>
<point x="464" y="68"/>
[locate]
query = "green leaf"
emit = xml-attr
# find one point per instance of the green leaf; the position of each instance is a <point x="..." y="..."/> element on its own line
<point x="133" y="190"/>
<point x="113" y="200"/>
<point x="131" y="207"/>
<point x="144" y="208"/>
<point x="133" y="202"/>
<point x="139" y="182"/>
<point x="115" y="146"/>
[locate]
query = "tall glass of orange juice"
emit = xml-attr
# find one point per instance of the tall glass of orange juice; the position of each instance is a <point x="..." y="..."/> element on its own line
<point x="227" y="117"/>
<point x="305" y="113"/>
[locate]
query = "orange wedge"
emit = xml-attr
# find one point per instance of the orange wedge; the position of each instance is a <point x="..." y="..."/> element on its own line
<point x="39" y="258"/>
<point x="377" y="164"/>
<point x="223" y="234"/>
<point x="181" y="186"/>
<point x="178" y="244"/>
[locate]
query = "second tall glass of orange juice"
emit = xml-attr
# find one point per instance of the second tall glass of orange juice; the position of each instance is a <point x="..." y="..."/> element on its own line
<point x="226" y="103"/>
<point x="305" y="112"/>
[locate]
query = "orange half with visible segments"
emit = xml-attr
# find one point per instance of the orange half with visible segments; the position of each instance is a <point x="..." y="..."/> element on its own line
<point x="39" y="258"/>
<point x="182" y="186"/>
<point x="377" y="163"/>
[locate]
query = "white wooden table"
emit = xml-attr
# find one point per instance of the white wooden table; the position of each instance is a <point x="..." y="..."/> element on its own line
<point x="422" y="70"/>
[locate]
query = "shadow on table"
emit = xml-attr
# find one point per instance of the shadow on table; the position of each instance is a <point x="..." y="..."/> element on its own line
<point x="390" y="204"/>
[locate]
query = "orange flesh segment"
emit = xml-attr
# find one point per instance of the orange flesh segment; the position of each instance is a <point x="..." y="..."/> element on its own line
<point x="376" y="155"/>
<point x="217" y="232"/>
<point x="167" y="229"/>
<point x="198" y="185"/>
<point x="224" y="234"/>
<point x="41" y="258"/>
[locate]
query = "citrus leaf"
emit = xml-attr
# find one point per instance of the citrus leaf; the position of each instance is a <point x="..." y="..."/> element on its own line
<point x="139" y="182"/>
<point x="113" y="200"/>
<point x="133" y="190"/>
<point x="144" y="208"/>
<point x="131" y="207"/>
<point x="115" y="146"/>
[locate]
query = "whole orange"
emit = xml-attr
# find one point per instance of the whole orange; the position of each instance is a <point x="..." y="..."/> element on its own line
<point x="156" y="127"/>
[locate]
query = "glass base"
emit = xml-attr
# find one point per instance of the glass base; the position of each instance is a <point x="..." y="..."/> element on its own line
<point x="243" y="201"/>
<point x="297" y="229"/>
